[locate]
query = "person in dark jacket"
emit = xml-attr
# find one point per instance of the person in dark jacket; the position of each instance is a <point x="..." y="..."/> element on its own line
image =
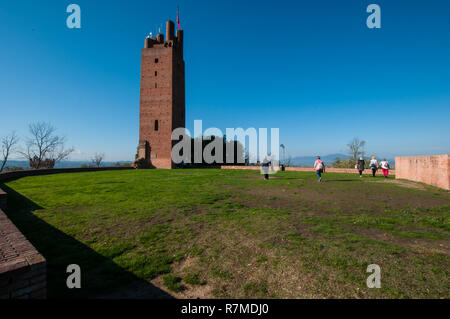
<point x="360" y="166"/>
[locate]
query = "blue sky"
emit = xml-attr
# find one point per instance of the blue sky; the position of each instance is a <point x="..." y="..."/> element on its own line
<point x="311" y="68"/>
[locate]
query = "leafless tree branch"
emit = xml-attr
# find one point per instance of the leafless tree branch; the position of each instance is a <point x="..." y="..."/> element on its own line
<point x="97" y="159"/>
<point x="8" y="144"/>
<point x="356" y="148"/>
<point x="44" y="148"/>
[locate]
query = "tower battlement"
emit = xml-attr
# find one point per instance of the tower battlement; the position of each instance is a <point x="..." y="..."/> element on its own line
<point x="171" y="40"/>
<point x="162" y="96"/>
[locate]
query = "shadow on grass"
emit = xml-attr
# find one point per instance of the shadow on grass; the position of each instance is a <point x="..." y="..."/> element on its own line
<point x="286" y="177"/>
<point x="100" y="276"/>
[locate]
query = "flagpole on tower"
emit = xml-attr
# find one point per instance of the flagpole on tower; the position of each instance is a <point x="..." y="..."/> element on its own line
<point x="178" y="17"/>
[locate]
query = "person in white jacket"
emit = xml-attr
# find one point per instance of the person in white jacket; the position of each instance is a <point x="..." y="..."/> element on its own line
<point x="374" y="165"/>
<point x="319" y="167"/>
<point x="265" y="167"/>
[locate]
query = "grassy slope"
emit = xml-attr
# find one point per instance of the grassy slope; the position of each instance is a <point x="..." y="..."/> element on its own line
<point x="232" y="234"/>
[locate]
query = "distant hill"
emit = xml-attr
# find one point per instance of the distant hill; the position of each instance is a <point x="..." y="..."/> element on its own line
<point x="63" y="164"/>
<point x="302" y="161"/>
<point x="308" y="161"/>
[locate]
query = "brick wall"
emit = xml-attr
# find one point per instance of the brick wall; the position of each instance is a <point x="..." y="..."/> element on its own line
<point x="22" y="268"/>
<point x="433" y="170"/>
<point x="310" y="169"/>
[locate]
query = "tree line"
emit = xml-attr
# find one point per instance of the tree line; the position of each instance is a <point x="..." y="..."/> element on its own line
<point x="42" y="148"/>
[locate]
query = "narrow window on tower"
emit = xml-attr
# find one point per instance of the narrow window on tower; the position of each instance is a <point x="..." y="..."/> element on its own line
<point x="156" y="60"/>
<point x="156" y="73"/>
<point x="156" y="125"/>
<point x="156" y="85"/>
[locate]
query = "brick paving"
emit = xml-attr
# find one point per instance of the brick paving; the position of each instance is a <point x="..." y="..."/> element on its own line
<point x="22" y="268"/>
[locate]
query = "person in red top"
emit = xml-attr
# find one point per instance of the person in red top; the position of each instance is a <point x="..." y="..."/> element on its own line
<point x="319" y="167"/>
<point x="385" y="167"/>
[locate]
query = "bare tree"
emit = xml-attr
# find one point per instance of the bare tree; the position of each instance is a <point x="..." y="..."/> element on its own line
<point x="44" y="148"/>
<point x="8" y="144"/>
<point x="356" y="148"/>
<point x="98" y="159"/>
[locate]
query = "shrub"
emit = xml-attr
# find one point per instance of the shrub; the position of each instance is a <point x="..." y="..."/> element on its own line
<point x="141" y="163"/>
<point x="44" y="163"/>
<point x="118" y="164"/>
<point x="343" y="163"/>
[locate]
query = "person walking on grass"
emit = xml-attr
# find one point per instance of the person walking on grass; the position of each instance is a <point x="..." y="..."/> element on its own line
<point x="385" y="167"/>
<point x="319" y="167"/>
<point x="374" y="165"/>
<point x="265" y="167"/>
<point x="360" y="166"/>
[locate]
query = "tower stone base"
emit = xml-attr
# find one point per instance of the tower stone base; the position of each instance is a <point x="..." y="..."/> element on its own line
<point x="143" y="158"/>
<point x="147" y="159"/>
<point x="144" y="150"/>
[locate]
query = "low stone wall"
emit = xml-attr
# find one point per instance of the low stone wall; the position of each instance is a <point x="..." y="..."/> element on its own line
<point x="22" y="268"/>
<point x="433" y="170"/>
<point x="34" y="172"/>
<point x="3" y="198"/>
<point x="310" y="169"/>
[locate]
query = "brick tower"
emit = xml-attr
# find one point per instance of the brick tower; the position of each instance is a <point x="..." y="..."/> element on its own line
<point x="162" y="97"/>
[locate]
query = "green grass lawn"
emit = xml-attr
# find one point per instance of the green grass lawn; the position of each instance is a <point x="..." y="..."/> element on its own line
<point x="230" y="234"/>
